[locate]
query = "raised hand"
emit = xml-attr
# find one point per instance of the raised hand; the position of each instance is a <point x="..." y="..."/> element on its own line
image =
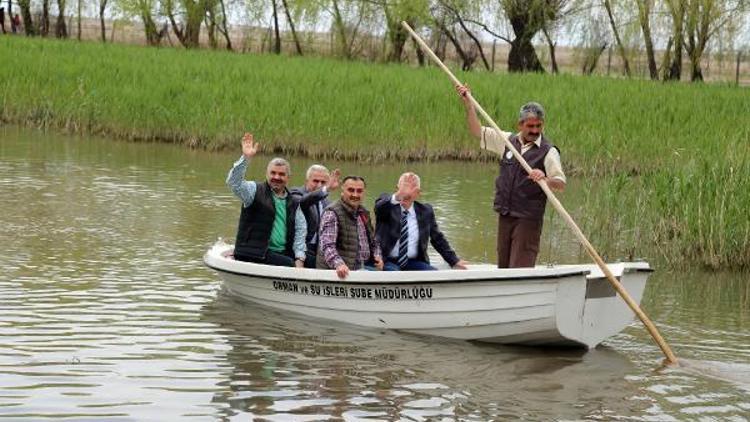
<point x="249" y="147"/>
<point x="408" y="188"/>
<point x="333" y="183"/>
<point x="464" y="92"/>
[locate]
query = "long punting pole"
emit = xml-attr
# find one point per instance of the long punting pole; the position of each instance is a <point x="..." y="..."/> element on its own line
<point x="671" y="358"/>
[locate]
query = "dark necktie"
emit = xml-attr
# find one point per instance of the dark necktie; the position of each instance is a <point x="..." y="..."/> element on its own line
<point x="403" y="241"/>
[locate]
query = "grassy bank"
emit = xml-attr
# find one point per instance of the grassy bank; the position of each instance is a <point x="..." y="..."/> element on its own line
<point x="674" y="155"/>
<point x="326" y="107"/>
<point x="696" y="215"/>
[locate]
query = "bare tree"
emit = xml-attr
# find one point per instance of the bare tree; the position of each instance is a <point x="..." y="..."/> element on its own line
<point x="223" y="26"/>
<point x="290" y="21"/>
<point x="551" y="45"/>
<point x="44" y="24"/>
<point x="340" y="27"/>
<point x="144" y="9"/>
<point x="591" y="58"/>
<point x="78" y="29"/>
<point x="644" y="19"/>
<point x="61" y="30"/>
<point x="102" y="9"/>
<point x="618" y="40"/>
<point x="276" y="33"/>
<point x="677" y="11"/>
<point x="211" y="27"/>
<point x="395" y="11"/>
<point x="192" y="13"/>
<point x="444" y="25"/>
<point x="347" y="16"/>
<point x="477" y="47"/>
<point x="28" y="23"/>
<point x="704" y="18"/>
<point x="527" y="17"/>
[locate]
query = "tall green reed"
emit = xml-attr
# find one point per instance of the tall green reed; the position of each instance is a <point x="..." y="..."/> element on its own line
<point x="666" y="162"/>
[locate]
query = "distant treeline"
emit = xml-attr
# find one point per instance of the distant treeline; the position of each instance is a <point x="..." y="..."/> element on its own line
<point x="658" y="39"/>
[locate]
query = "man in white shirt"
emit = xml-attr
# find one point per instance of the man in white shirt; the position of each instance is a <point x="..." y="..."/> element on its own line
<point x="519" y="201"/>
<point x="403" y="227"/>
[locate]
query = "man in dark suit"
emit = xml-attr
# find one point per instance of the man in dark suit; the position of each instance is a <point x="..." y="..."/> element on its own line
<point x="313" y="199"/>
<point x="403" y="227"/>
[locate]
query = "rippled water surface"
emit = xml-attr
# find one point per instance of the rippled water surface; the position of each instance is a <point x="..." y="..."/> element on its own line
<point x="107" y="313"/>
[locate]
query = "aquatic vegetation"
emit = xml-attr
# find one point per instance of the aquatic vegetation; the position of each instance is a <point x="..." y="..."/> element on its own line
<point x="325" y="107"/>
<point x="665" y="162"/>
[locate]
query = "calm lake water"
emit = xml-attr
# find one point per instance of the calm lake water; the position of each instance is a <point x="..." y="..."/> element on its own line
<point x="107" y="313"/>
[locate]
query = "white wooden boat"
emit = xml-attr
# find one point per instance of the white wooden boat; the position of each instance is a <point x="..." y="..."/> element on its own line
<point x="566" y="305"/>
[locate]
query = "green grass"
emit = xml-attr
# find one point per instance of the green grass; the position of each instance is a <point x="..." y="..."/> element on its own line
<point x="696" y="215"/>
<point x="325" y="107"/>
<point x="667" y="161"/>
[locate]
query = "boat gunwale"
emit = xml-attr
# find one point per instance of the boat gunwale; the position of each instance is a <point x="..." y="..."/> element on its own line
<point x="505" y="279"/>
<point x="213" y="259"/>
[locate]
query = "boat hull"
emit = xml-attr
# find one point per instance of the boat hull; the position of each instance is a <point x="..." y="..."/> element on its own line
<point x="565" y="305"/>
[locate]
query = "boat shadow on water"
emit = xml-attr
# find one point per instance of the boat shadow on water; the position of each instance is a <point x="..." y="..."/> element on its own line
<point x="283" y="363"/>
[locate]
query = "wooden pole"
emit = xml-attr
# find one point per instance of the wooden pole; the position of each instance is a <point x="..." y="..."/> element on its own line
<point x="671" y="358"/>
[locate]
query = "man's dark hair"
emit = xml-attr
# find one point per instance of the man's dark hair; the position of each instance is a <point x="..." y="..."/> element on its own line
<point x="355" y="178"/>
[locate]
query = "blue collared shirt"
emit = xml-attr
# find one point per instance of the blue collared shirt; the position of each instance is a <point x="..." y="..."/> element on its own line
<point x="413" y="227"/>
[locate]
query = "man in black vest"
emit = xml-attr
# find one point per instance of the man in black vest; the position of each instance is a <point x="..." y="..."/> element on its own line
<point x="347" y="239"/>
<point x="313" y="199"/>
<point x="403" y="227"/>
<point x="272" y="227"/>
<point x="519" y="201"/>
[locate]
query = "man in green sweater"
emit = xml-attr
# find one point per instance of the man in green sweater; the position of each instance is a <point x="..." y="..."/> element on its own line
<point x="272" y="227"/>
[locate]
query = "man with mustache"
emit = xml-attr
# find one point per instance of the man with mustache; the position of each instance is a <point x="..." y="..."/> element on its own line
<point x="519" y="201"/>
<point x="272" y="227"/>
<point x="347" y="239"/>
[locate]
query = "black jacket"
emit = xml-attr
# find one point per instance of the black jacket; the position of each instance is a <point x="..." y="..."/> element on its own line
<point x="307" y="201"/>
<point x="388" y="229"/>
<point x="256" y="223"/>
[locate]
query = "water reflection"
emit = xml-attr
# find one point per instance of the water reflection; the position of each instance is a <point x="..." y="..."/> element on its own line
<point x="107" y="313"/>
<point x="287" y="364"/>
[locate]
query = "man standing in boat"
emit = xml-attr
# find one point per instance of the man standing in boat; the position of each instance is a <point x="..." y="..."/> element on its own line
<point x="404" y="225"/>
<point x="272" y="227"/>
<point x="519" y="201"/>
<point x="313" y="199"/>
<point x="347" y="239"/>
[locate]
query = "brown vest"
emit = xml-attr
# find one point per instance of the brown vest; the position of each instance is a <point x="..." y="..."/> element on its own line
<point x="347" y="241"/>
<point x="515" y="194"/>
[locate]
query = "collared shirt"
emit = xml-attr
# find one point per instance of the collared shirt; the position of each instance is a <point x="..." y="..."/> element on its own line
<point x="413" y="227"/>
<point x="329" y="230"/>
<point x="319" y="209"/>
<point x="494" y="141"/>
<point x="246" y="189"/>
